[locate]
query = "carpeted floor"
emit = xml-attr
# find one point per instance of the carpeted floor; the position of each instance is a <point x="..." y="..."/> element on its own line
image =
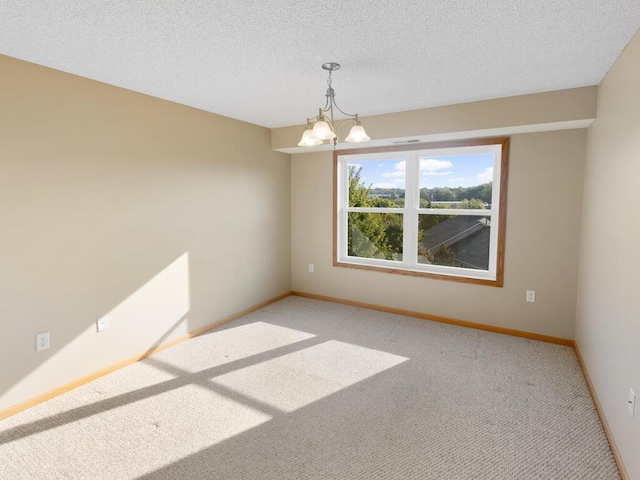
<point x="304" y="389"/>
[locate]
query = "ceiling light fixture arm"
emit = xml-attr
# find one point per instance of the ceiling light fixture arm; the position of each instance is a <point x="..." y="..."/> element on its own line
<point x="321" y="127"/>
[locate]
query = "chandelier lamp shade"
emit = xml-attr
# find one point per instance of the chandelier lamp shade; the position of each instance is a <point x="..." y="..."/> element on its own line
<point x="322" y="126"/>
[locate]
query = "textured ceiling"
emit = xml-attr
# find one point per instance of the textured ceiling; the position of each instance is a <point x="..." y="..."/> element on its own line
<point x="259" y="60"/>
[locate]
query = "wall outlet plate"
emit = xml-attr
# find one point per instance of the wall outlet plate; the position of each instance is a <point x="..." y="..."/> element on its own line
<point x="632" y="402"/>
<point x="531" y="296"/>
<point x="102" y="323"/>
<point x="43" y="341"/>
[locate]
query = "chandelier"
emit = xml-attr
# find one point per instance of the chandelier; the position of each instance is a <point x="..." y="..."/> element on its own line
<point x="321" y="127"/>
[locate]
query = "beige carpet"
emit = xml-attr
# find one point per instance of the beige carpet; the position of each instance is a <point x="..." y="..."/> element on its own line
<point x="304" y="389"/>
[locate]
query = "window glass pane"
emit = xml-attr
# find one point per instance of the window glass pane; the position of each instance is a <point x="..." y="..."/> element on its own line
<point x="454" y="240"/>
<point x="377" y="183"/>
<point x="456" y="181"/>
<point x="375" y="235"/>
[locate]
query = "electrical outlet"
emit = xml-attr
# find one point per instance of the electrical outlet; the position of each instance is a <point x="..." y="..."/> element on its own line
<point x="42" y="341"/>
<point x="531" y="296"/>
<point x="311" y="268"/>
<point x="102" y="323"/>
<point x="632" y="402"/>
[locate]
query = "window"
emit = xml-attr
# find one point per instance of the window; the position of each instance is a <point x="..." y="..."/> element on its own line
<point x="435" y="210"/>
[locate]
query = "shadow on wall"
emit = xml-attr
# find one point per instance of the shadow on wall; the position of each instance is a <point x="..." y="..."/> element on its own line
<point x="155" y="313"/>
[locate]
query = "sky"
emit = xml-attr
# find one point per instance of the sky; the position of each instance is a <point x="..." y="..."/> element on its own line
<point x="444" y="171"/>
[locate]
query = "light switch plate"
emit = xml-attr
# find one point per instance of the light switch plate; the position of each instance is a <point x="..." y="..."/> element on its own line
<point x="102" y="323"/>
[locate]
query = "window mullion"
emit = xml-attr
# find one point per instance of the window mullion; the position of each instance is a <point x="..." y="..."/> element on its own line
<point x="411" y="203"/>
<point x="343" y="204"/>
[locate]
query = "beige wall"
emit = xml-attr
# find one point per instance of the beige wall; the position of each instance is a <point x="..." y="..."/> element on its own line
<point x="608" y="317"/>
<point x="166" y="217"/>
<point x="542" y="239"/>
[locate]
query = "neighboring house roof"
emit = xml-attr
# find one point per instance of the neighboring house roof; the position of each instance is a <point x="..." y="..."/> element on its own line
<point x="466" y="236"/>
<point x="473" y="251"/>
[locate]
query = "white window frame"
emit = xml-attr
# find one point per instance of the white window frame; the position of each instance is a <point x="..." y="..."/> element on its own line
<point x="409" y="264"/>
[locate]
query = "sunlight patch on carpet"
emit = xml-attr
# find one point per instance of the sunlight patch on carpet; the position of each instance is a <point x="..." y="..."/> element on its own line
<point x="300" y="378"/>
